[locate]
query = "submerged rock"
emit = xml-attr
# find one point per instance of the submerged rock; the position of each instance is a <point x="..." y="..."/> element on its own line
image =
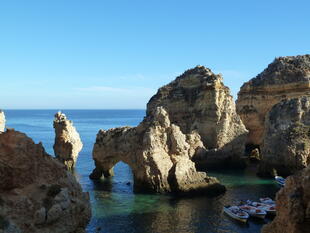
<point x="158" y="153"/>
<point x="286" y="145"/>
<point x="37" y="194"/>
<point x="199" y="101"/>
<point x="68" y="143"/>
<point x="2" y="121"/>
<point x="284" y="78"/>
<point x="293" y="206"/>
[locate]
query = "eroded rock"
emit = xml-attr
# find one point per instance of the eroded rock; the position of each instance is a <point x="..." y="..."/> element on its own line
<point x="32" y="183"/>
<point x="2" y="121"/>
<point x="68" y="143"/>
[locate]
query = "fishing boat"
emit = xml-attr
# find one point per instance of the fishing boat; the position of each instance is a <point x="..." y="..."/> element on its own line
<point x="267" y="200"/>
<point x="280" y="180"/>
<point x="236" y="213"/>
<point x="270" y="209"/>
<point x="254" y="211"/>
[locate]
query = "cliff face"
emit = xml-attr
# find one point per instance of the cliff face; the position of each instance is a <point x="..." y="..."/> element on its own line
<point x="293" y="205"/>
<point x="37" y="194"/>
<point x="198" y="101"/>
<point x="158" y="154"/>
<point x="286" y="145"/>
<point x="2" y="121"/>
<point x="68" y="143"/>
<point x="285" y="77"/>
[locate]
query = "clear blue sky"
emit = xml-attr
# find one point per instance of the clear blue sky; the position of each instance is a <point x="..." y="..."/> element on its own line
<point x="115" y="54"/>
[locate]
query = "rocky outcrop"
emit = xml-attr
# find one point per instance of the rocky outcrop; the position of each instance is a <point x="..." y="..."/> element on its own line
<point x="37" y="194"/>
<point x="286" y="145"/>
<point x="68" y="143"/>
<point x="158" y="153"/>
<point x="198" y="101"/>
<point x="293" y="206"/>
<point x="284" y="78"/>
<point x="2" y="121"/>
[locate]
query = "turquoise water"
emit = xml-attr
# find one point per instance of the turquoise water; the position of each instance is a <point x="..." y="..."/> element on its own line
<point x="116" y="209"/>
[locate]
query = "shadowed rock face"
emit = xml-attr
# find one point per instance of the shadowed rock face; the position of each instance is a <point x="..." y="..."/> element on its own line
<point x="198" y="101"/>
<point x="2" y="121"/>
<point x="286" y="145"/>
<point x="285" y="77"/>
<point x="293" y="206"/>
<point x="68" y="143"/>
<point x="158" y="154"/>
<point x="37" y="194"/>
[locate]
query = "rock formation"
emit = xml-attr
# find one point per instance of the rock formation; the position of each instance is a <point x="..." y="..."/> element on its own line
<point x="2" y="121"/>
<point x="158" y="153"/>
<point x="198" y="101"/>
<point x="68" y="143"/>
<point x="285" y="77"/>
<point x="286" y="145"/>
<point x="293" y="206"/>
<point x="37" y="194"/>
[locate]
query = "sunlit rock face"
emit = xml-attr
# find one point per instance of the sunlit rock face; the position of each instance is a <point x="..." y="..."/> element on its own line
<point x="286" y="144"/>
<point x="293" y="205"/>
<point x="37" y="193"/>
<point x="2" y="121"/>
<point x="68" y="143"/>
<point x="284" y="78"/>
<point x="159" y="155"/>
<point x="199" y="101"/>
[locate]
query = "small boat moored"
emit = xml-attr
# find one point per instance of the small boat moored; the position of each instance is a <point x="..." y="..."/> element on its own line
<point x="254" y="211"/>
<point x="236" y="213"/>
<point x="267" y="200"/>
<point x="280" y="180"/>
<point x="270" y="209"/>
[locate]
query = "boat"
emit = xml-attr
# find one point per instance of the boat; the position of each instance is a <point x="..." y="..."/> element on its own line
<point x="254" y="211"/>
<point x="236" y="213"/>
<point x="280" y="180"/>
<point x="269" y="208"/>
<point x="267" y="200"/>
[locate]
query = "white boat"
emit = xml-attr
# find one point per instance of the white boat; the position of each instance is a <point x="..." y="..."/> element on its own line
<point x="236" y="213"/>
<point x="280" y="180"/>
<point x="267" y="200"/>
<point x="270" y="209"/>
<point x="254" y="211"/>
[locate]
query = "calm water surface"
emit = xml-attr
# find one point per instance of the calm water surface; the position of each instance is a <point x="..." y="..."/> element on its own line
<point x="116" y="209"/>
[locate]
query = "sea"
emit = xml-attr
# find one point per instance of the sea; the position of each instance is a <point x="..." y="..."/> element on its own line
<point x="117" y="209"/>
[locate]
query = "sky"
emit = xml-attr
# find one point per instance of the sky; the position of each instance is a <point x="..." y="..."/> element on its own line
<point x="100" y="54"/>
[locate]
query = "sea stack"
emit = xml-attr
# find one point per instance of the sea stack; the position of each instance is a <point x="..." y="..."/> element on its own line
<point x="198" y="101"/>
<point x="285" y="78"/>
<point x="2" y="121"/>
<point x="68" y="143"/>
<point x="159" y="155"/>
<point x="37" y="193"/>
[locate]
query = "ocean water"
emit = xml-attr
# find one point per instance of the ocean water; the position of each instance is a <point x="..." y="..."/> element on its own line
<point x="116" y="209"/>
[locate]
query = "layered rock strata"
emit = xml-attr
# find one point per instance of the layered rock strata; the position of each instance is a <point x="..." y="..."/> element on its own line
<point x="68" y="143"/>
<point x="158" y="153"/>
<point x="286" y="145"/>
<point x="2" y="121"/>
<point x="199" y="101"/>
<point x="37" y="194"/>
<point x="284" y="78"/>
<point x="293" y="206"/>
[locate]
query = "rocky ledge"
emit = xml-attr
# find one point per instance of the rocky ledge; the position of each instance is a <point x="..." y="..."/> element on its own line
<point x="37" y="194"/>
<point x="284" y="78"/>
<point x="68" y="143"/>
<point x="159" y="155"/>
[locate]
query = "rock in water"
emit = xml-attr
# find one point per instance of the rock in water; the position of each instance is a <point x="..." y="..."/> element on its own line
<point x="293" y="206"/>
<point x="37" y="194"/>
<point x="158" y="153"/>
<point x="198" y="101"/>
<point x="286" y="145"/>
<point x="2" y="121"/>
<point x="285" y="77"/>
<point x="68" y="143"/>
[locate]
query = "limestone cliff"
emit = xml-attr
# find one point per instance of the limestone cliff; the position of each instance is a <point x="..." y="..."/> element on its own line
<point x="158" y="153"/>
<point x="286" y="145"/>
<point x="285" y="77"/>
<point x="2" y="121"/>
<point x="68" y="143"/>
<point x="37" y="194"/>
<point x="198" y="101"/>
<point x="293" y="206"/>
